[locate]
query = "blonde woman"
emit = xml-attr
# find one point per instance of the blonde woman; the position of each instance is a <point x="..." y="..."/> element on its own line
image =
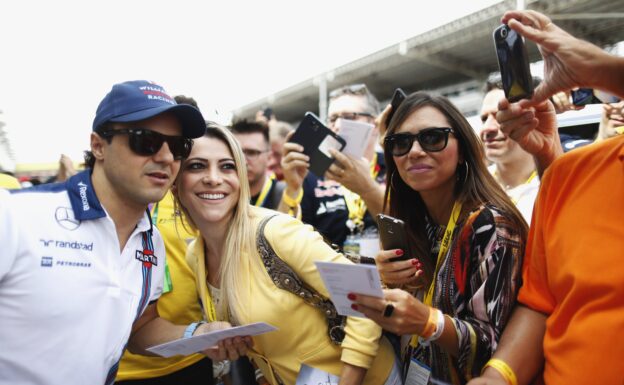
<point x="213" y="194"/>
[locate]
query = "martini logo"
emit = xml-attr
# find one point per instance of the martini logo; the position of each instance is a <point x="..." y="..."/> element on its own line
<point x="147" y="257"/>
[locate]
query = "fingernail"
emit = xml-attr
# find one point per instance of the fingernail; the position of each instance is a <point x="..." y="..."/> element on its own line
<point x="415" y="262"/>
<point x="351" y="296"/>
<point x="354" y="306"/>
<point x="399" y="252"/>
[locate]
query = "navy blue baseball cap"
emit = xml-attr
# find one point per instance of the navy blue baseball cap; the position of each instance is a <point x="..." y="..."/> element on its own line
<point x="139" y="99"/>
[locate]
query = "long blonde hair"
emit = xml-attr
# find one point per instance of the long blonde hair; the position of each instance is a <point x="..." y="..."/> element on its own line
<point x="240" y="239"/>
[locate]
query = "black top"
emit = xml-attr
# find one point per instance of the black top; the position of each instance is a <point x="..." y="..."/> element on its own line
<point x="324" y="206"/>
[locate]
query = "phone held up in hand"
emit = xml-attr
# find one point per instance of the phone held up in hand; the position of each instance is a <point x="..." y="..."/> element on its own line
<point x="317" y="139"/>
<point x="398" y="98"/>
<point x="392" y="235"/>
<point x="513" y="63"/>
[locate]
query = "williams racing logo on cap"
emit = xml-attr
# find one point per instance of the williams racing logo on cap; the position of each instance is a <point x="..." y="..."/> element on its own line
<point x="155" y="92"/>
<point x="147" y="257"/>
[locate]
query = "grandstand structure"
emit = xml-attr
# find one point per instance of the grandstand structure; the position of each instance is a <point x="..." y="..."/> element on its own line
<point x="454" y="59"/>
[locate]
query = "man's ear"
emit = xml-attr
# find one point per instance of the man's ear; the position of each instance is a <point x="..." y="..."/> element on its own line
<point x="97" y="146"/>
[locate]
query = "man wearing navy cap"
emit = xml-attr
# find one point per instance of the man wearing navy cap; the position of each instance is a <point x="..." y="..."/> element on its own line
<point x="81" y="266"/>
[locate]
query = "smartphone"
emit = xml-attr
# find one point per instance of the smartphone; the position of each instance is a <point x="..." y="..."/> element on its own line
<point x="398" y="98"/>
<point x="513" y="63"/>
<point x="392" y="235"/>
<point x="584" y="96"/>
<point x="317" y="139"/>
<point x="267" y="112"/>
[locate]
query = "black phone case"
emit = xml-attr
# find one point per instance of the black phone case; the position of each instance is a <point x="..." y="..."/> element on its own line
<point x="392" y="235"/>
<point x="311" y="133"/>
<point x="398" y="98"/>
<point x="513" y="63"/>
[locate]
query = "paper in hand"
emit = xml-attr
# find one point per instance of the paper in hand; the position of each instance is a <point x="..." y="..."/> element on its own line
<point x="194" y="344"/>
<point x="340" y="279"/>
<point x="357" y="134"/>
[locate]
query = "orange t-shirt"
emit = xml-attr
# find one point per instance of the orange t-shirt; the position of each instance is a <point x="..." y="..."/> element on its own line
<point x="574" y="265"/>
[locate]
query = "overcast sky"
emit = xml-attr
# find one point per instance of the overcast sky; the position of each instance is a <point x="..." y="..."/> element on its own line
<point x="59" y="58"/>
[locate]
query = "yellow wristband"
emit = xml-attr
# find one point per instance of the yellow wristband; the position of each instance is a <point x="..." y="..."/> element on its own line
<point x="431" y="324"/>
<point x="505" y="370"/>
<point x="290" y="202"/>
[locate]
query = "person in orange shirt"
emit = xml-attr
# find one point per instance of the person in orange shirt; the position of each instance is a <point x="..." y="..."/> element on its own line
<point x="568" y="326"/>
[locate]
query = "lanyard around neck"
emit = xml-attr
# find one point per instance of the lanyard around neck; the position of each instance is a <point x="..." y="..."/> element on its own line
<point x="211" y="311"/>
<point x="444" y="247"/>
<point x="268" y="183"/>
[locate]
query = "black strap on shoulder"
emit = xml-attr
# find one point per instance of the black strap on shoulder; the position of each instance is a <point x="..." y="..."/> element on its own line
<point x="285" y="278"/>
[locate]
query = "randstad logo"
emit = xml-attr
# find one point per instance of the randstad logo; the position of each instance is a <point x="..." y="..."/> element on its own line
<point x="82" y="188"/>
<point x="66" y="244"/>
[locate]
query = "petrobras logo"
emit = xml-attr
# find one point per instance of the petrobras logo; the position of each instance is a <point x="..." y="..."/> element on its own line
<point x="65" y="218"/>
<point x="82" y="190"/>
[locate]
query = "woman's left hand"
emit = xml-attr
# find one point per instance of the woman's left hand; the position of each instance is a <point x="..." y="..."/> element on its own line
<point x="227" y="349"/>
<point x="398" y="311"/>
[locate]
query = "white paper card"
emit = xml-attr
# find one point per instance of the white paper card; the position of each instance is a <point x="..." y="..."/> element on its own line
<point x="340" y="279"/>
<point x="327" y="143"/>
<point x="357" y="135"/>
<point x="313" y="376"/>
<point x="194" y="344"/>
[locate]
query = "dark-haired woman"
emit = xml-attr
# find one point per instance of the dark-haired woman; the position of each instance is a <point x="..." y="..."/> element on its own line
<point x="457" y="287"/>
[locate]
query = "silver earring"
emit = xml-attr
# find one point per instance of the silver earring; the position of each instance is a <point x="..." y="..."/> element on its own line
<point x="392" y="180"/>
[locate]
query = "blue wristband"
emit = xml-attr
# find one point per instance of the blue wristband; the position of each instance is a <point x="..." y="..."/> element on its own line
<point x="188" y="333"/>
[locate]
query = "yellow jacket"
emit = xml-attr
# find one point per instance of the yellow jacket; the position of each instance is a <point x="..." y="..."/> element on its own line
<point x="302" y="329"/>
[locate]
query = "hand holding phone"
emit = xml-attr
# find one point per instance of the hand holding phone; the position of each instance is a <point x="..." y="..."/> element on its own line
<point x="316" y="140"/>
<point x="398" y="98"/>
<point x="513" y="63"/>
<point x="393" y="236"/>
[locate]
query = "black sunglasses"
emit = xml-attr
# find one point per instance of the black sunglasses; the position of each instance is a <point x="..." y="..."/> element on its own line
<point x="432" y="139"/>
<point x="147" y="142"/>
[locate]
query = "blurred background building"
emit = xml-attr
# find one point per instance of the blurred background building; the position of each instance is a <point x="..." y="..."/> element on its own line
<point x="454" y="59"/>
<point x="7" y="160"/>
